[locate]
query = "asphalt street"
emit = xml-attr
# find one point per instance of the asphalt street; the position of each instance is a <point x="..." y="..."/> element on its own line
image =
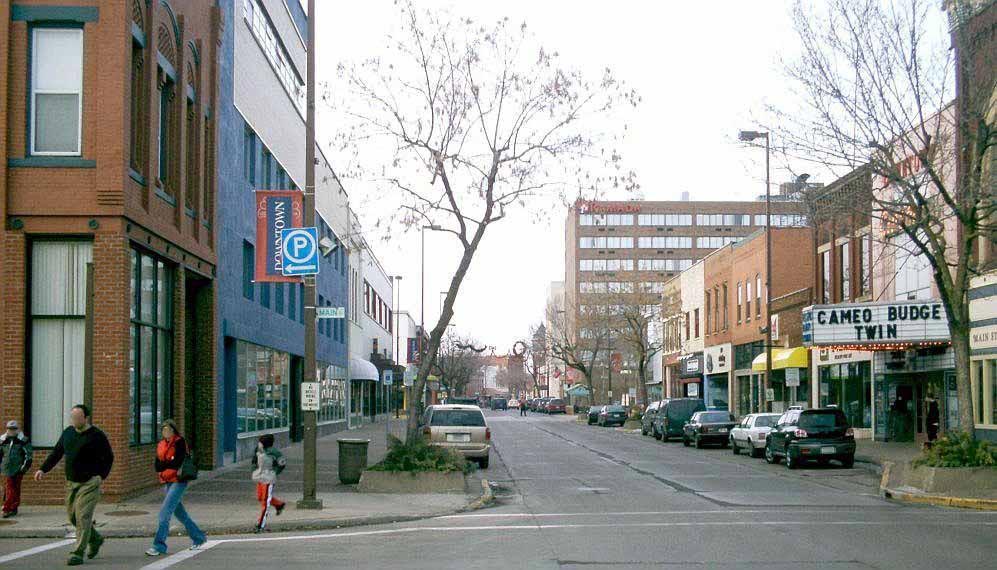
<point x="574" y="496"/>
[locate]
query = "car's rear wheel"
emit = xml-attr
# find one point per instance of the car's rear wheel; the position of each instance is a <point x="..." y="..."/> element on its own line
<point x="848" y="462"/>
<point x="699" y="443"/>
<point x="685" y="441"/>
<point x="770" y="457"/>
<point x="657" y="434"/>
<point x="754" y="451"/>
<point x="790" y="462"/>
<point x="663" y="436"/>
<point x="733" y="447"/>
<point x="643" y="430"/>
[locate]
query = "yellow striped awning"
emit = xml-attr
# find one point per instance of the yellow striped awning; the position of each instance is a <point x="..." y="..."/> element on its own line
<point x="798" y="357"/>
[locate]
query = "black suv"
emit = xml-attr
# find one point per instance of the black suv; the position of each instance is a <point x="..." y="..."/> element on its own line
<point x="708" y="427"/>
<point x="820" y="435"/>
<point x="672" y="415"/>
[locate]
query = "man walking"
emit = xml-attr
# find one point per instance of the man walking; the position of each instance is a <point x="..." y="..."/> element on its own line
<point x="88" y="463"/>
<point x="15" y="460"/>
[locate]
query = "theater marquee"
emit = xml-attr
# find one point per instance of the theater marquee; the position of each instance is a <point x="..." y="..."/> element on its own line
<point x="894" y="325"/>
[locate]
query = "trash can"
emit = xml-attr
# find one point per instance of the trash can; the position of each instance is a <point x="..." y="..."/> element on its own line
<point x="352" y="459"/>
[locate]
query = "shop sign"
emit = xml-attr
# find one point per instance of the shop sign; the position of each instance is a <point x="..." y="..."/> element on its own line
<point x="792" y="377"/>
<point x="828" y="356"/>
<point x="717" y="359"/>
<point x="692" y="364"/>
<point x="875" y="323"/>
<point x="594" y="207"/>
<point x="983" y="337"/>
<point x="694" y="390"/>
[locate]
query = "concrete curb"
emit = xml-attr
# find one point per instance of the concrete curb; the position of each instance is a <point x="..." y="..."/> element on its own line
<point x="941" y="500"/>
<point x="485" y="499"/>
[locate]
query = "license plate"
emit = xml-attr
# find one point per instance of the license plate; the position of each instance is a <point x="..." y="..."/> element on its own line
<point x="830" y="450"/>
<point x="723" y="430"/>
<point x="458" y="437"/>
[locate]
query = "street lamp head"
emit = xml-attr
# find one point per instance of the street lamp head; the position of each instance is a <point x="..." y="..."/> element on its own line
<point x="801" y="180"/>
<point x="748" y="136"/>
<point x="433" y="227"/>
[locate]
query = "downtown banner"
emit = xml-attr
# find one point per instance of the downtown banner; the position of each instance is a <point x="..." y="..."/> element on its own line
<point x="276" y="210"/>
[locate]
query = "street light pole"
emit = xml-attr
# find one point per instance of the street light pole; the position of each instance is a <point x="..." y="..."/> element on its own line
<point x="748" y="136"/>
<point x="308" y="498"/>
<point x="398" y="302"/>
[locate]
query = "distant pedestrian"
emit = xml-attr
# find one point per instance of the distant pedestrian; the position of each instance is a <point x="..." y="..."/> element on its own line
<point x="268" y="463"/>
<point x="170" y="455"/>
<point x="88" y="463"/>
<point x="522" y="408"/>
<point x="15" y="460"/>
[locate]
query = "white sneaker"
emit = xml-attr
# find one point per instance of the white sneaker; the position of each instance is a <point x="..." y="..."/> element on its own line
<point x="153" y="552"/>
<point x="197" y="546"/>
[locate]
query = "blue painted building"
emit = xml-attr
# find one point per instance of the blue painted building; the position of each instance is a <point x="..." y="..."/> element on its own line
<point x="261" y="139"/>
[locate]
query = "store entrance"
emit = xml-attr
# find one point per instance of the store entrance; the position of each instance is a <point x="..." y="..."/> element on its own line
<point x="915" y="402"/>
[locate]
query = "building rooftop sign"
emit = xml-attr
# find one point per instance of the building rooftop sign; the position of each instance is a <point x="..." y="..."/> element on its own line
<point x="594" y="207"/>
<point x="885" y="326"/>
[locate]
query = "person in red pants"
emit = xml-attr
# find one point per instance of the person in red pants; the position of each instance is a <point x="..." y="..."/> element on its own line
<point x="268" y="463"/>
<point x="15" y="460"/>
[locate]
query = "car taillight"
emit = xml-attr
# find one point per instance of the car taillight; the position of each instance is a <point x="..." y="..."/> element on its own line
<point x="488" y="434"/>
<point x="849" y="432"/>
<point x="800" y="433"/>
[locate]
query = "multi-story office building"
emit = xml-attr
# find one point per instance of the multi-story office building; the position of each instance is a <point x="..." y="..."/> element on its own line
<point x="635" y="246"/>
<point x="261" y="325"/>
<point x="107" y="130"/>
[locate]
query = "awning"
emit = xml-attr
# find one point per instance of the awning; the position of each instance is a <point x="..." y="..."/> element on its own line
<point x="361" y="369"/>
<point x="578" y="391"/>
<point x="798" y="357"/>
<point x="652" y="382"/>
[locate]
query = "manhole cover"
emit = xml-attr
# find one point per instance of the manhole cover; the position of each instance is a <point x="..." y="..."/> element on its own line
<point x="126" y="513"/>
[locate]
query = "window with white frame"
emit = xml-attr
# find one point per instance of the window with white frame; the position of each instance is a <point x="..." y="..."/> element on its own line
<point x="56" y="91"/>
<point x="913" y="271"/>
<point x="58" y="330"/>
<point x="619" y="242"/>
<point x="269" y="41"/>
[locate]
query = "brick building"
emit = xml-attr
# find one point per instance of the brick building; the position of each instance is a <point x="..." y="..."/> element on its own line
<point x="718" y="359"/>
<point x="632" y="246"/>
<point x="107" y="195"/>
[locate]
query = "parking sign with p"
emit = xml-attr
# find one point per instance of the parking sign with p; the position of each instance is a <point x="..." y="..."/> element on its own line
<point x="301" y="254"/>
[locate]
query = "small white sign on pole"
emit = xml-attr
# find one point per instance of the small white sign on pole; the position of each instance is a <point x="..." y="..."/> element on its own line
<point x="792" y="377"/>
<point x="389" y="377"/>
<point x="310" y="400"/>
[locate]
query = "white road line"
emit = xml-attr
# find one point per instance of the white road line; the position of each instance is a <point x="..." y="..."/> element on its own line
<point x="181" y="556"/>
<point x="654" y="513"/>
<point x="36" y="550"/>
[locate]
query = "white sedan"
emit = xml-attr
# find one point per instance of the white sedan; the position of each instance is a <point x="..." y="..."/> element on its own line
<point x="749" y="435"/>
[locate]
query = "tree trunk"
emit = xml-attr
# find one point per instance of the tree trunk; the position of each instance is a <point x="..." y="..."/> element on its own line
<point x="963" y="382"/>
<point x="642" y="370"/>
<point x="436" y="336"/>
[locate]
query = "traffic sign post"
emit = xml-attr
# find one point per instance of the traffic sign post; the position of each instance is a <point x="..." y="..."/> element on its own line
<point x="300" y="249"/>
<point x="310" y="398"/>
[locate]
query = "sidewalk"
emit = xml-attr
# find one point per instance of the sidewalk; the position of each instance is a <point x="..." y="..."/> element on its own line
<point x="877" y="453"/>
<point x="223" y="501"/>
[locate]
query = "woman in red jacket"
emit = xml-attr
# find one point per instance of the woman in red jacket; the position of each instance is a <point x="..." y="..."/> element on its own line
<point x="170" y="453"/>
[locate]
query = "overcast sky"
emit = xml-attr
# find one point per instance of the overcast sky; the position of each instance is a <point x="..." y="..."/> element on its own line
<point x="703" y="69"/>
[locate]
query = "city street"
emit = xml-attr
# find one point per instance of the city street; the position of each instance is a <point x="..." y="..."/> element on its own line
<point x="573" y="496"/>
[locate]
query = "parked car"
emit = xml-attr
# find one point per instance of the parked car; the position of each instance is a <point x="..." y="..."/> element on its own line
<point x="647" y="421"/>
<point x="500" y="404"/>
<point x="612" y="415"/>
<point x="593" y="415"/>
<point x="555" y="406"/>
<point x="708" y="427"/>
<point x="459" y="427"/>
<point x="672" y="416"/>
<point x="514" y="404"/>
<point x="542" y="405"/>
<point x="820" y="434"/>
<point x="749" y="435"/>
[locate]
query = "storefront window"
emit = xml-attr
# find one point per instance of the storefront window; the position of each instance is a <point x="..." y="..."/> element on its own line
<point x="263" y="388"/>
<point x="717" y="392"/>
<point x="849" y="387"/>
<point x="993" y="391"/>
<point x="151" y="351"/>
<point x="332" y="392"/>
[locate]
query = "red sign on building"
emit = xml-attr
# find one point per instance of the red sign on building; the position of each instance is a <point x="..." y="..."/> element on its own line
<point x="276" y="210"/>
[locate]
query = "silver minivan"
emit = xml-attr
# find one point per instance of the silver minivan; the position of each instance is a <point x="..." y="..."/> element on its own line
<point x="461" y="428"/>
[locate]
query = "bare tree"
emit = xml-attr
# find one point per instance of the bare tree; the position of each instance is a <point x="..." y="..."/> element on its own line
<point x="457" y="361"/>
<point x="882" y="90"/>
<point x="635" y="319"/>
<point x="583" y="348"/>
<point x="480" y="119"/>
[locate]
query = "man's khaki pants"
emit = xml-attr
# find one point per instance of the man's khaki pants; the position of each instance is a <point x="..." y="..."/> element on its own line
<point x="81" y="500"/>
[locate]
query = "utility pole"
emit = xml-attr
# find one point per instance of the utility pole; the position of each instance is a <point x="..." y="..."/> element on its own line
<point x="309" y="499"/>
<point x="768" y="281"/>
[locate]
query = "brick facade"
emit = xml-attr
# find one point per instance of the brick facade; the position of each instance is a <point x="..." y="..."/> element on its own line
<point x="99" y="196"/>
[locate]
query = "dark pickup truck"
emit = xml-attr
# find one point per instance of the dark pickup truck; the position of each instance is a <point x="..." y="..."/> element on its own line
<point x="708" y="427"/>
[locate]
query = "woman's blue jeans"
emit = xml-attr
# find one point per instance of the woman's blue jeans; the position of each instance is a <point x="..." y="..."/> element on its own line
<point x="173" y="507"/>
